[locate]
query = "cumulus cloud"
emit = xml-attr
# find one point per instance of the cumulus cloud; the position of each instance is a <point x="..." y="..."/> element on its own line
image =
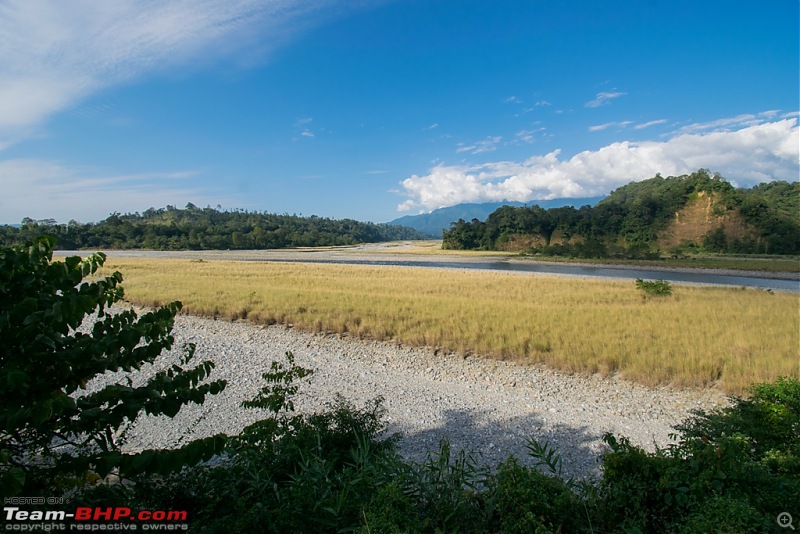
<point x="44" y="189"/>
<point x="749" y="155"/>
<point x="55" y="53"/>
<point x="603" y="98"/>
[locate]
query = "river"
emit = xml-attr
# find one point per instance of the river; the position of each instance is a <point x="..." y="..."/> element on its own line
<point x="364" y="256"/>
<point x="706" y="278"/>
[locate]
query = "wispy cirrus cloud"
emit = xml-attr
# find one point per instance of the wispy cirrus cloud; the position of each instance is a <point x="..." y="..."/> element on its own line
<point x="731" y="123"/>
<point x="44" y="189"/>
<point x="625" y="124"/>
<point x="302" y="127"/>
<point x="480" y="147"/>
<point x="749" y="155"/>
<point x="530" y="136"/>
<point x="606" y="126"/>
<point x="650" y="123"/>
<point x="603" y="98"/>
<point x="55" y="54"/>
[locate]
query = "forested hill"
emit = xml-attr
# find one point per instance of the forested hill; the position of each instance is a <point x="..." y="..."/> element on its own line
<point x="689" y="213"/>
<point x="196" y="228"/>
<point x="435" y="222"/>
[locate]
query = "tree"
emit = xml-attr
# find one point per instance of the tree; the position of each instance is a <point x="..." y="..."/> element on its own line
<point x="53" y="430"/>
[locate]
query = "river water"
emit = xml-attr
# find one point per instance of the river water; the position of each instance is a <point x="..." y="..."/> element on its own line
<point x="774" y="284"/>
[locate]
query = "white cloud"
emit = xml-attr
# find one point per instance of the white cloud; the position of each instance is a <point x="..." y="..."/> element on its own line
<point x="486" y="145"/>
<point x="600" y="127"/>
<point x="728" y="124"/>
<point x="43" y="189"/>
<point x="725" y="124"/>
<point x="55" y="54"/>
<point x="529" y="136"/>
<point x="603" y="98"/>
<point x="650" y="123"/>
<point x="749" y="155"/>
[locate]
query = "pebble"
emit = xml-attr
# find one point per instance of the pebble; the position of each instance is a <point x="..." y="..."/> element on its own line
<point x="488" y="407"/>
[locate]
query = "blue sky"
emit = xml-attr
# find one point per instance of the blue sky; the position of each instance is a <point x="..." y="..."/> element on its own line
<point x="377" y="109"/>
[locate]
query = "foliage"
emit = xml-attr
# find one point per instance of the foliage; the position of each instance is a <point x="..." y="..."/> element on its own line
<point x="734" y="469"/>
<point x="207" y="228"/>
<point x="527" y="500"/>
<point x="626" y="223"/>
<point x="654" y="288"/>
<point x="770" y="418"/>
<point x="54" y="429"/>
<point x="715" y="477"/>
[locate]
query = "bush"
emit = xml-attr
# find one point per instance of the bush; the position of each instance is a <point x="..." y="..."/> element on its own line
<point x="527" y="500"/>
<point x="738" y="466"/>
<point x="53" y="432"/>
<point x="656" y="288"/>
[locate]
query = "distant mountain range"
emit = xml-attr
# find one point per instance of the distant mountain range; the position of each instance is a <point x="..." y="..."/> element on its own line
<point x="434" y="222"/>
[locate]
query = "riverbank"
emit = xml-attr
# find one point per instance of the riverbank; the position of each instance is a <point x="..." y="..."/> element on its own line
<point x="481" y="405"/>
<point x="384" y="253"/>
<point x="776" y="275"/>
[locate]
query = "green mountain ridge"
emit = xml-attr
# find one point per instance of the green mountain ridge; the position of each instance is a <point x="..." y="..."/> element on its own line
<point x="648" y="218"/>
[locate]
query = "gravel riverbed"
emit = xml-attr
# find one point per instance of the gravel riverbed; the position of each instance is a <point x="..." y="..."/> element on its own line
<point x="487" y="406"/>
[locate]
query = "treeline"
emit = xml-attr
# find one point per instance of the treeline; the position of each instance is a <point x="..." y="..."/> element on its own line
<point x="194" y="228"/>
<point x="629" y="222"/>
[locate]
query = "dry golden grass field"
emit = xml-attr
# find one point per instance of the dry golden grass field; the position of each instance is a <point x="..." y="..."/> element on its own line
<point x="698" y="336"/>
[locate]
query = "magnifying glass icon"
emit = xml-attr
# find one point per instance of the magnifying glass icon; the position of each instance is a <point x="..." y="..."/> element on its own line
<point x="785" y="520"/>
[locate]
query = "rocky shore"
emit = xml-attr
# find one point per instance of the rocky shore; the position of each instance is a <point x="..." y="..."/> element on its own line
<point x="486" y="406"/>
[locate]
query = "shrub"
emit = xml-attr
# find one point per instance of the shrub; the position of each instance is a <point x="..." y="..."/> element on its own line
<point x="737" y="466"/>
<point x="54" y="433"/>
<point x="655" y="288"/>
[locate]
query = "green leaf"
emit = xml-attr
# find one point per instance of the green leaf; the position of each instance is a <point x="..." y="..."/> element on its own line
<point x="11" y="482"/>
<point x="16" y="379"/>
